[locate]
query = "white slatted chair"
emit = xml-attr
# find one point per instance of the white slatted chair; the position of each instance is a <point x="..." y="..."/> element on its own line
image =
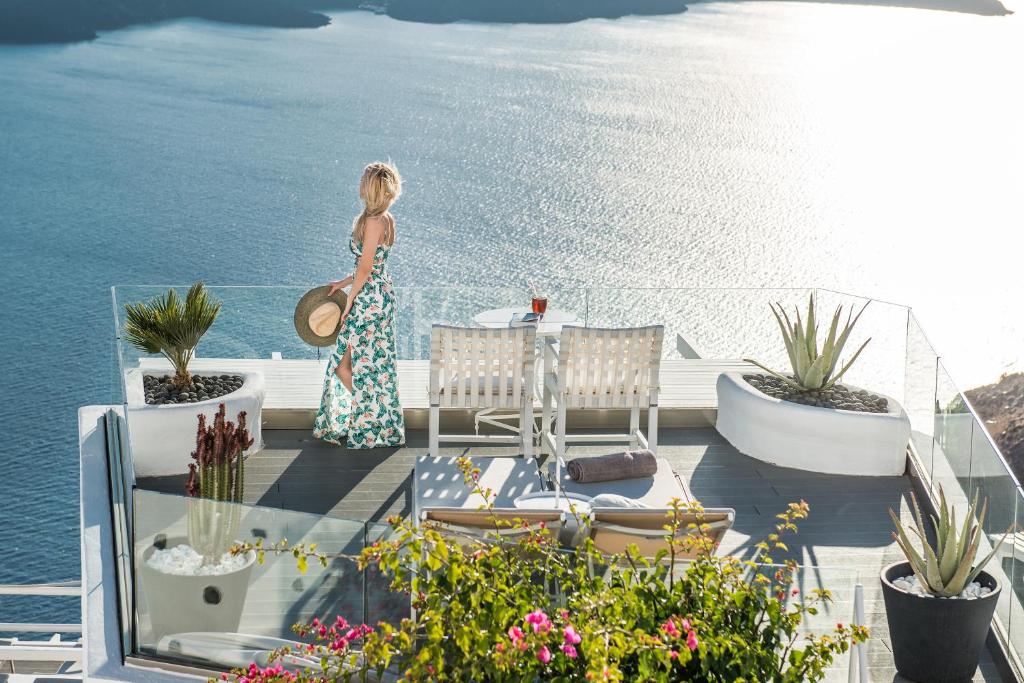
<point x="479" y="369"/>
<point x="606" y="369"/>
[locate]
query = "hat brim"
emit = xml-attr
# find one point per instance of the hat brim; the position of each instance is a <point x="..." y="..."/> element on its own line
<point x="312" y="301"/>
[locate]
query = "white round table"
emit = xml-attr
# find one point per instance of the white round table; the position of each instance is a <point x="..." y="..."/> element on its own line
<point x="550" y="323"/>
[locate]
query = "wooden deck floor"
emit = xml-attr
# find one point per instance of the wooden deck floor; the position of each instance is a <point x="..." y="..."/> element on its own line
<point x="848" y="529"/>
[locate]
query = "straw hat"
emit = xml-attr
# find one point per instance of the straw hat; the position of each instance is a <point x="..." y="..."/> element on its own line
<point x="318" y="316"/>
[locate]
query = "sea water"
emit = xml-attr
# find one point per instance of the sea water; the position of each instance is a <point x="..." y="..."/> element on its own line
<point x="869" y="149"/>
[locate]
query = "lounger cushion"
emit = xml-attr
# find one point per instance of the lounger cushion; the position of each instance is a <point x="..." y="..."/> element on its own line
<point x="439" y="483"/>
<point x="655" y="491"/>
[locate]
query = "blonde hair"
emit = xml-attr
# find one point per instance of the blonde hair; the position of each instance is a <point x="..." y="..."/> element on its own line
<point x="379" y="187"/>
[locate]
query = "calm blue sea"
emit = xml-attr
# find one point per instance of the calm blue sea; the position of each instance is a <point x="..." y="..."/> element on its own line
<point x="876" y="150"/>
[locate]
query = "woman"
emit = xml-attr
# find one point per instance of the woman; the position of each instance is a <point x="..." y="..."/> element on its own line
<point x="360" y="407"/>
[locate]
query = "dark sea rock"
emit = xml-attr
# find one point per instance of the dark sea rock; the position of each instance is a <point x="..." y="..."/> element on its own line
<point x="160" y="390"/>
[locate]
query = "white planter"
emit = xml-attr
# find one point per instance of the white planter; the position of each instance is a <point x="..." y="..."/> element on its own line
<point x="163" y="437"/>
<point x="811" y="438"/>
<point x="177" y="603"/>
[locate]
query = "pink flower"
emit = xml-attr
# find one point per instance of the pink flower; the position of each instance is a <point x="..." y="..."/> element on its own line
<point x="539" y="621"/>
<point x="571" y="636"/>
<point x="516" y="634"/>
<point x="685" y="625"/>
<point x="569" y="651"/>
<point x="669" y="627"/>
<point x="691" y="640"/>
<point x="544" y="654"/>
<point x="672" y="654"/>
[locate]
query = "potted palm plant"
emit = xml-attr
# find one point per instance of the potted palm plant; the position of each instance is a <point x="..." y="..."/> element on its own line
<point x="163" y="397"/>
<point x="940" y="594"/>
<point x="805" y="418"/>
<point x="196" y="583"/>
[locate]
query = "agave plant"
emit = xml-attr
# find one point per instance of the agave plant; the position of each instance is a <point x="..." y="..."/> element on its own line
<point x="172" y="327"/>
<point x="813" y="369"/>
<point x="948" y="568"/>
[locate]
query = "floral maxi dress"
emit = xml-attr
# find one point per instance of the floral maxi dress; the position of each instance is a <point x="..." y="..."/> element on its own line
<point x="370" y="416"/>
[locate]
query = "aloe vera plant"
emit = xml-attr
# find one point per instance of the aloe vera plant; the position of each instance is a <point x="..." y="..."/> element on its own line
<point x="813" y="369"/>
<point x="946" y="569"/>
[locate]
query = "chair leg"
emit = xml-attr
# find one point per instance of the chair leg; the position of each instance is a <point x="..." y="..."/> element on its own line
<point x="652" y="429"/>
<point x="560" y="431"/>
<point x="545" y="419"/>
<point x="435" y="428"/>
<point x="526" y="429"/>
<point x="634" y="426"/>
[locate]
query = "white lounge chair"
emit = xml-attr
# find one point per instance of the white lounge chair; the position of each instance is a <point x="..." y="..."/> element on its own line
<point x="504" y="524"/>
<point x="439" y="483"/>
<point x="606" y="369"/>
<point x="481" y="369"/>
<point x="614" y="529"/>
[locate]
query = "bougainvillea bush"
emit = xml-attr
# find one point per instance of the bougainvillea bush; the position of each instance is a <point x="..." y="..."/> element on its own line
<point x="489" y="610"/>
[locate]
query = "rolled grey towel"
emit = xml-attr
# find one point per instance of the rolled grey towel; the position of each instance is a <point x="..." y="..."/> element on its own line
<point x="628" y="465"/>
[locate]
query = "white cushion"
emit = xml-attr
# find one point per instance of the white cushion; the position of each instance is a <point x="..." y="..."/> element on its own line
<point x="614" y="500"/>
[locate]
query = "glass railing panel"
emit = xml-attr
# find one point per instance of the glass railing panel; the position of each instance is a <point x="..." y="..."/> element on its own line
<point x="953" y="439"/>
<point x="842" y="584"/>
<point x="704" y="323"/>
<point x="919" y="392"/>
<point x="251" y="606"/>
<point x="421" y="307"/>
<point x="991" y="482"/>
<point x="382" y="604"/>
<point x="881" y="365"/>
<point x="1011" y="561"/>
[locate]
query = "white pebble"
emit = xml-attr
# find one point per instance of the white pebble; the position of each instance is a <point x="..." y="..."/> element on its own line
<point x="183" y="560"/>
<point x="910" y="584"/>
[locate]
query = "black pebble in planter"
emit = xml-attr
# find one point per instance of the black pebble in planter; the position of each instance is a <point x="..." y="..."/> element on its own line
<point x="935" y="640"/>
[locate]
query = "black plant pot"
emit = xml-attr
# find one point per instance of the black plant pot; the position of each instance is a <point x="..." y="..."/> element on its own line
<point x="936" y="640"/>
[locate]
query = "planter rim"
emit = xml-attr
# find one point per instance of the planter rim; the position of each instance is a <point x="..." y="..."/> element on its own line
<point x="250" y="556"/>
<point x="885" y="580"/>
<point x="251" y="379"/>
<point x="895" y="409"/>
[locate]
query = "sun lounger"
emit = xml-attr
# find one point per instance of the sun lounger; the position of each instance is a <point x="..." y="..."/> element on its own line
<point x="614" y="529"/>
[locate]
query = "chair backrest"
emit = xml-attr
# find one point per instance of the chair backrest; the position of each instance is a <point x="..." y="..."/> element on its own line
<point x="469" y="524"/>
<point x="610" y="368"/>
<point x="476" y="367"/>
<point x="615" y="529"/>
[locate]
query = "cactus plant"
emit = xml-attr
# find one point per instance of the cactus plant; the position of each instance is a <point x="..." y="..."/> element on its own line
<point x="813" y="369"/>
<point x="171" y="327"/>
<point x="948" y="568"/>
<point x="215" y="482"/>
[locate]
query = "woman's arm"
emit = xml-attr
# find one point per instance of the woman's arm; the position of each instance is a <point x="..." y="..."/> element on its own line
<point x="372" y="235"/>
<point x="339" y="284"/>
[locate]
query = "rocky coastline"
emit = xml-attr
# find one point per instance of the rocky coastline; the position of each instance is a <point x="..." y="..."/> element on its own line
<point x="1001" y="407"/>
<point x="69" y="21"/>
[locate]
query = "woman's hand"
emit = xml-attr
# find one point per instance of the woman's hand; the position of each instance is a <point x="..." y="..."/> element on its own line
<point x="344" y="314"/>
<point x="338" y="284"/>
